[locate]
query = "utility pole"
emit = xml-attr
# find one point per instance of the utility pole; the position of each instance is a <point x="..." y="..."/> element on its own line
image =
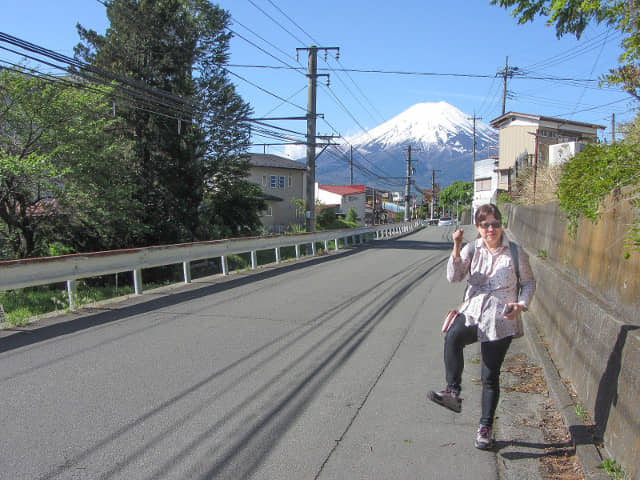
<point x="504" y="85"/>
<point x="508" y="72"/>
<point x="473" y="161"/>
<point x="312" y="75"/>
<point x="351" y="164"/>
<point x="433" y="191"/>
<point x="613" y="128"/>
<point x="407" y="188"/>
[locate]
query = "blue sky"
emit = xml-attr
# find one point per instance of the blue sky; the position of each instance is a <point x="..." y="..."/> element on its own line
<point x="465" y="38"/>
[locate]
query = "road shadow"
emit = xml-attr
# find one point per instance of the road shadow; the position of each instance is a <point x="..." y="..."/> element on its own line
<point x="410" y="245"/>
<point x="90" y="317"/>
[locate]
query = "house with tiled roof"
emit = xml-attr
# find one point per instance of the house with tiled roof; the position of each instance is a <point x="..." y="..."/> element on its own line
<point x="281" y="181"/>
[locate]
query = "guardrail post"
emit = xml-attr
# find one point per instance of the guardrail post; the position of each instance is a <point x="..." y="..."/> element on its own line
<point x="254" y="260"/>
<point x="225" y="265"/>
<point x="186" y="270"/>
<point x="277" y="254"/>
<point x="297" y="252"/>
<point x="137" y="281"/>
<point x="326" y="246"/>
<point x="337" y="246"/>
<point x="313" y="249"/>
<point x="361" y="239"/>
<point x="72" y="293"/>
<point x="353" y="239"/>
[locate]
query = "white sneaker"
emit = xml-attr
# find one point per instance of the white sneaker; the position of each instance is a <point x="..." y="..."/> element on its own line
<point x="484" y="440"/>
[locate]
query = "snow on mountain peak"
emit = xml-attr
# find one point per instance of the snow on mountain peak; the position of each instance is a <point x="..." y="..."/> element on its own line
<point x="427" y="123"/>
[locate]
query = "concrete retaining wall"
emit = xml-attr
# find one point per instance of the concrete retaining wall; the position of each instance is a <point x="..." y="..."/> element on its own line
<point x="587" y="307"/>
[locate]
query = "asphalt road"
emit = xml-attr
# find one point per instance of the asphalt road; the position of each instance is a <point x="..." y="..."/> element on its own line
<point x="317" y="369"/>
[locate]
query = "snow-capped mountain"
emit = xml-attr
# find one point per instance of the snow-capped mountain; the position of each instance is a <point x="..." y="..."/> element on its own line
<point x="441" y="139"/>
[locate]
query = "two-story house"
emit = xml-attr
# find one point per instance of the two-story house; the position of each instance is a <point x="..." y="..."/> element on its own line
<point x="525" y="140"/>
<point x="282" y="182"/>
<point x="344" y="198"/>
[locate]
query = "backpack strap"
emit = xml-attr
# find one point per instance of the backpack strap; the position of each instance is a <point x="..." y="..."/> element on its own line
<point x="473" y="251"/>
<point x="516" y="264"/>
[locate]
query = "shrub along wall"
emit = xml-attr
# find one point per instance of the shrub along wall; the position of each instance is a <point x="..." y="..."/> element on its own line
<point x="587" y="307"/>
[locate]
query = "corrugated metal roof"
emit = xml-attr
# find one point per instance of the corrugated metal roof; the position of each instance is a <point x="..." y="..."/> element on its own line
<point x="274" y="161"/>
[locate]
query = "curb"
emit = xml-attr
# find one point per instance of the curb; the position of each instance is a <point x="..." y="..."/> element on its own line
<point x="587" y="453"/>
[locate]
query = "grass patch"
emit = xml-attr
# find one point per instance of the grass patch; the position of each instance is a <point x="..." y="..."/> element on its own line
<point x="22" y="304"/>
<point x="614" y="470"/>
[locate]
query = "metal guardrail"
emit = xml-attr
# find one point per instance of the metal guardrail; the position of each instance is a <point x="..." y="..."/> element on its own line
<point x="32" y="272"/>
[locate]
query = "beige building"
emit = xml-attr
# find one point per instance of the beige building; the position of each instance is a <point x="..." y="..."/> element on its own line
<point x="282" y="182"/>
<point x="525" y="139"/>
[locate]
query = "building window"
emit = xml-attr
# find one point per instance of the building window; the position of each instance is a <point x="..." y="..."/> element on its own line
<point x="281" y="181"/>
<point x="268" y="212"/>
<point x="274" y="181"/>
<point x="290" y="180"/>
<point x="504" y="176"/>
<point x="483" y="185"/>
<point x="264" y="180"/>
<point x="548" y="133"/>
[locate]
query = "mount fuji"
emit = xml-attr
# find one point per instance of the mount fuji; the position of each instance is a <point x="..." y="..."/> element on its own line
<point x="441" y="139"/>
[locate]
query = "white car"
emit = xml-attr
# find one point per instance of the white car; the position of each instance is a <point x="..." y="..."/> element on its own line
<point x="445" y="222"/>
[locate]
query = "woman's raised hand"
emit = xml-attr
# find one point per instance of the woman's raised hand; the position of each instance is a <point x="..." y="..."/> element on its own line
<point x="457" y="237"/>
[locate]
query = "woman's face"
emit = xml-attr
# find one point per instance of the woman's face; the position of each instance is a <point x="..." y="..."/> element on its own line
<point x="490" y="230"/>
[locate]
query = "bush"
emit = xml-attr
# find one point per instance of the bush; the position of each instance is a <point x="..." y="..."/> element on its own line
<point x="593" y="174"/>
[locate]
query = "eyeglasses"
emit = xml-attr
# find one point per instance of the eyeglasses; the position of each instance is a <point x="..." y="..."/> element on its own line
<point x="486" y="225"/>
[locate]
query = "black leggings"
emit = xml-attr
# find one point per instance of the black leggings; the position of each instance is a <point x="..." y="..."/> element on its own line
<point x="493" y="353"/>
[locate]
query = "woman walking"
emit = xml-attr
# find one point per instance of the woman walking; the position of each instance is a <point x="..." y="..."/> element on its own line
<point x="501" y="286"/>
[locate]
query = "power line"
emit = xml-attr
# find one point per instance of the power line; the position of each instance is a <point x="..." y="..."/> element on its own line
<point x="235" y="20"/>
<point x="276" y="22"/>
<point x="294" y="23"/>
<point x="264" y="90"/>
<point x="524" y="76"/>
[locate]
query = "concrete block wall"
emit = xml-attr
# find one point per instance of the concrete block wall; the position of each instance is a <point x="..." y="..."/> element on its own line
<point x="587" y="309"/>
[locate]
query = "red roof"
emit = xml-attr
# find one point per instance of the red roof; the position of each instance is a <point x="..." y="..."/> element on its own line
<point x="343" y="189"/>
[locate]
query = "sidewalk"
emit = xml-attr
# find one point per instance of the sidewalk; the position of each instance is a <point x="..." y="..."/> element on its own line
<point x="398" y="433"/>
<point x="532" y="439"/>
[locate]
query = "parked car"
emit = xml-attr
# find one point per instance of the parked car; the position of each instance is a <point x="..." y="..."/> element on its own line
<point x="445" y="222"/>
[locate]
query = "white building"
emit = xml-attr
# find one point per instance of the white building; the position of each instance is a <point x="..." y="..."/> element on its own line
<point x="561" y="152"/>
<point x="485" y="183"/>
<point x="344" y="197"/>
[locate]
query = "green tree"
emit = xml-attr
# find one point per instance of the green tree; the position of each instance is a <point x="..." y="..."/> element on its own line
<point x="63" y="168"/>
<point x="352" y="215"/>
<point x="573" y="16"/>
<point x="189" y="146"/>
<point x="460" y="192"/>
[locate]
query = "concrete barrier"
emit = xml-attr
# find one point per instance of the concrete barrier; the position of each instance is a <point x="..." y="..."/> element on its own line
<point x="587" y="306"/>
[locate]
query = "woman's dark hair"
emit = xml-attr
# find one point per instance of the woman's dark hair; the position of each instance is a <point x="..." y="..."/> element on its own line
<point x="485" y="210"/>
